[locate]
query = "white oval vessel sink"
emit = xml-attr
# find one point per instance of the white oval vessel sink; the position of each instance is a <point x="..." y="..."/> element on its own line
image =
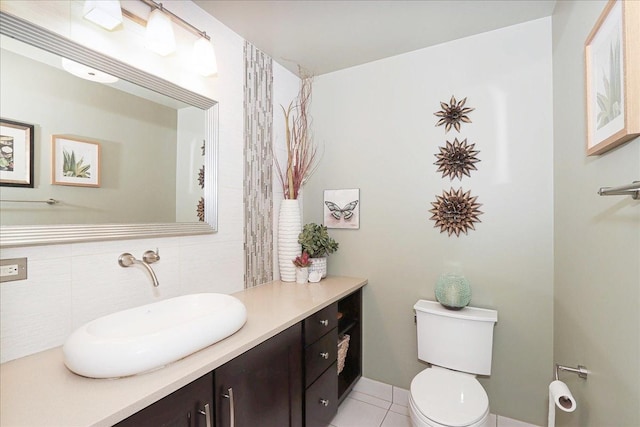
<point x="151" y="336"/>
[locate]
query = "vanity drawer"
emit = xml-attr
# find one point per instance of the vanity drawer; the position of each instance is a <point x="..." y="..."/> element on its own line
<point x="320" y="355"/>
<point x="320" y="323"/>
<point x="321" y="399"/>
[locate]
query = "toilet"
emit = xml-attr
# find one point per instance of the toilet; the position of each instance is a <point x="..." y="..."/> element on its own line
<point x="458" y="345"/>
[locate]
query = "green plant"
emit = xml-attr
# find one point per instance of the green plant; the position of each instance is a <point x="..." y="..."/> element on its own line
<point x="315" y="240"/>
<point x="302" y="261"/>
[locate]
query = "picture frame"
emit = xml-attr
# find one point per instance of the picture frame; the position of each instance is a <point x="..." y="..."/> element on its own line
<point x="75" y="161"/>
<point x="612" y="77"/>
<point x="16" y="154"/>
<point x="342" y="208"/>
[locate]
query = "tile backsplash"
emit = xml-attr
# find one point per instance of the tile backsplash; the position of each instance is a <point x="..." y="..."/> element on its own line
<point x="69" y="285"/>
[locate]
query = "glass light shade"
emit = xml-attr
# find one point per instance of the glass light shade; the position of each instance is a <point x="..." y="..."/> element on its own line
<point x="159" y="35"/>
<point x="87" y="73"/>
<point x="106" y="13"/>
<point x="204" y="57"/>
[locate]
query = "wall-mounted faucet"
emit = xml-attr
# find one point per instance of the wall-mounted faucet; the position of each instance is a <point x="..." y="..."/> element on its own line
<point x="149" y="257"/>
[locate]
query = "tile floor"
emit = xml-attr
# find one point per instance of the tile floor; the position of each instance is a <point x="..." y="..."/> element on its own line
<point x="375" y="404"/>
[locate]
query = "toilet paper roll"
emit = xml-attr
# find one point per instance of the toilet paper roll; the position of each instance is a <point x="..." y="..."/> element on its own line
<point x="560" y="396"/>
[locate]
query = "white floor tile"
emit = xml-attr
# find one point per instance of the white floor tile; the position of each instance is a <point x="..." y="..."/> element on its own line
<point x="374" y="388"/>
<point x="401" y="409"/>
<point x="400" y="396"/>
<point x="354" y="413"/>
<point x="510" y="422"/>
<point x="366" y="398"/>
<point x="396" y="420"/>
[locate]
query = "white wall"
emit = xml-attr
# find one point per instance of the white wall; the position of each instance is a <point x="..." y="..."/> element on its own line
<point x="597" y="244"/>
<point x="377" y="125"/>
<point x="71" y="284"/>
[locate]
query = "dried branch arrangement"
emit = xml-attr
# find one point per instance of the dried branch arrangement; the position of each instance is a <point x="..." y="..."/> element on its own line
<point x="301" y="149"/>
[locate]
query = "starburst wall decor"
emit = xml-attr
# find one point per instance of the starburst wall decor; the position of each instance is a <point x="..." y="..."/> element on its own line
<point x="456" y="159"/>
<point x="453" y="113"/>
<point x="455" y="212"/>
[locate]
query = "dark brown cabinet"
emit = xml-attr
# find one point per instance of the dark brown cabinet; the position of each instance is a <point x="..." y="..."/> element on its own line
<point x="189" y="406"/>
<point x="321" y="374"/>
<point x="289" y="380"/>
<point x="262" y="387"/>
<point x="350" y="323"/>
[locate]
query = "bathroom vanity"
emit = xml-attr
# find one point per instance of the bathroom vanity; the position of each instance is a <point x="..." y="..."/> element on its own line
<point x="279" y="369"/>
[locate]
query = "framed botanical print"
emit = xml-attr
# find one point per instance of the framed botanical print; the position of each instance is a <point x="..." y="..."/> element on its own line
<point x="75" y="162"/>
<point x="612" y="72"/>
<point x="16" y="154"/>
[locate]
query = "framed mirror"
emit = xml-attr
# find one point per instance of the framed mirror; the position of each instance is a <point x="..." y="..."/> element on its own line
<point x="64" y="222"/>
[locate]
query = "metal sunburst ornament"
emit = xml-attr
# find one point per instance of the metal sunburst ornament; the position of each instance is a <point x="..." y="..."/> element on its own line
<point x="201" y="177"/>
<point x="453" y="113"/>
<point x="200" y="209"/>
<point x="457" y="159"/>
<point x="455" y="212"/>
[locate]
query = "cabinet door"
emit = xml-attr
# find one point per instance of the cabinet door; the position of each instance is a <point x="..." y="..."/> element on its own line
<point x="321" y="399"/>
<point x="262" y="387"/>
<point x="181" y="408"/>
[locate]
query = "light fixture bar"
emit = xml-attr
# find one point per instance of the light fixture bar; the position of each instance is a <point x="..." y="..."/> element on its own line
<point x="176" y="18"/>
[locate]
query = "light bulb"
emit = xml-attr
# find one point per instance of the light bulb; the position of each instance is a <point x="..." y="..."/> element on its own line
<point x="204" y="57"/>
<point x="106" y="13"/>
<point x="159" y="34"/>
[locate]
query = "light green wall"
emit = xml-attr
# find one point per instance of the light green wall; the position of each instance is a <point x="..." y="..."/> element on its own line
<point x="137" y="139"/>
<point x="375" y="125"/>
<point x="596" y="244"/>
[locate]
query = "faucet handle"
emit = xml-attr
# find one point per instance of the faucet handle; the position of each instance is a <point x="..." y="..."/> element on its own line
<point x="151" y="256"/>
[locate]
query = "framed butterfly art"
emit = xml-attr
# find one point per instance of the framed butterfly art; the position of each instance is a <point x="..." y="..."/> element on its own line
<point x="342" y="208"/>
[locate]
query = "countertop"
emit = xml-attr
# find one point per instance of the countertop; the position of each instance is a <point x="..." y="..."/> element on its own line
<point x="38" y="390"/>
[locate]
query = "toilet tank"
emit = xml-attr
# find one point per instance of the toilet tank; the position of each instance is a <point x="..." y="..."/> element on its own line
<point x="461" y="340"/>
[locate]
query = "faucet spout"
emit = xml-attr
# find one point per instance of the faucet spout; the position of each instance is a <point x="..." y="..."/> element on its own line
<point x="127" y="260"/>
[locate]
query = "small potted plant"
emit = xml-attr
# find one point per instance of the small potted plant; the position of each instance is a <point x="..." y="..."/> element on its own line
<point x="302" y="263"/>
<point x="315" y="241"/>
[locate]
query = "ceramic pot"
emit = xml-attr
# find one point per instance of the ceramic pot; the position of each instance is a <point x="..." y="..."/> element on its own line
<point x="302" y="275"/>
<point x="319" y="264"/>
<point x="289" y="228"/>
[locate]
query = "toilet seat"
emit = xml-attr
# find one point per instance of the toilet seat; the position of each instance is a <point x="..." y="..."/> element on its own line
<point x="439" y="396"/>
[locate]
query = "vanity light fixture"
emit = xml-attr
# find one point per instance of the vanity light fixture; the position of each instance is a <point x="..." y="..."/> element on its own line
<point x="159" y="34"/>
<point x="204" y="56"/>
<point x="106" y="13"/>
<point x="161" y="38"/>
<point x="87" y="73"/>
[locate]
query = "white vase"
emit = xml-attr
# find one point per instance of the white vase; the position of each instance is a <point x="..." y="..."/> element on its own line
<point x="319" y="264"/>
<point x="289" y="228"/>
<point x="302" y="275"/>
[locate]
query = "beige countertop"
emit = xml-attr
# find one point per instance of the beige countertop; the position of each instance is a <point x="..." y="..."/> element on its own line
<point x="38" y="390"/>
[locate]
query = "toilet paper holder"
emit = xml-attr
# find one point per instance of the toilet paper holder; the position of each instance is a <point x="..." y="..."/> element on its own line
<point x="580" y="370"/>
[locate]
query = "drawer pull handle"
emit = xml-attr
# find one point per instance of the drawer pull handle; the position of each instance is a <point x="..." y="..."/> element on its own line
<point x="232" y="417"/>
<point x="324" y="322"/>
<point x="324" y="402"/>
<point x="324" y="355"/>
<point x="207" y="414"/>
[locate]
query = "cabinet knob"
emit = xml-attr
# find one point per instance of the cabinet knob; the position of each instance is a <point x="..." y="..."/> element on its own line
<point x="324" y="322"/>
<point x="324" y="355"/>
<point x="324" y="402"/>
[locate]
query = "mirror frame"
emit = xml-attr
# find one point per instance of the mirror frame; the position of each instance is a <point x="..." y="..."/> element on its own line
<point x="26" y="235"/>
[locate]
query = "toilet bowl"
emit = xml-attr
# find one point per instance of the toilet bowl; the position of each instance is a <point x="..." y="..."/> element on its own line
<point x="442" y="398"/>
<point x="458" y="345"/>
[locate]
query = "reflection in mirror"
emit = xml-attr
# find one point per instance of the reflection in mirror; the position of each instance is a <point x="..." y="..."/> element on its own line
<point x="153" y="148"/>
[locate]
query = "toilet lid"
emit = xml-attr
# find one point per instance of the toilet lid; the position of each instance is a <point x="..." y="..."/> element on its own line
<point x="448" y="397"/>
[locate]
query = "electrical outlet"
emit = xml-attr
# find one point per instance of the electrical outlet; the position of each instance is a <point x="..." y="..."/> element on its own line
<point x="13" y="269"/>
